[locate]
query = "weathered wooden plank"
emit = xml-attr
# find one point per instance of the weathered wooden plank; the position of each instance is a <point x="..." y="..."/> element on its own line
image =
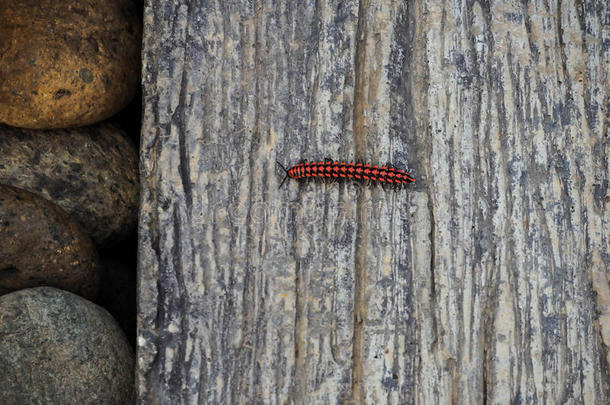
<point x="486" y="282"/>
<point x="517" y="182"/>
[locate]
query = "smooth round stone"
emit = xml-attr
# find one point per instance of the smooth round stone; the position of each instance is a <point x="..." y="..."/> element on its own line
<point x="67" y="63"/>
<point x="58" y="348"/>
<point x="90" y="172"/>
<point x="41" y="245"/>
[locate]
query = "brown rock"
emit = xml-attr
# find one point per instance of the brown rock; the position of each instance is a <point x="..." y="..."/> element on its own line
<point x="90" y="172"/>
<point x="67" y="63"/>
<point x="41" y="245"/>
<point x="58" y="348"/>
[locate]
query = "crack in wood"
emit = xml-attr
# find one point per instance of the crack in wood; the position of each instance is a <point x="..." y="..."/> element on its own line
<point x="358" y="392"/>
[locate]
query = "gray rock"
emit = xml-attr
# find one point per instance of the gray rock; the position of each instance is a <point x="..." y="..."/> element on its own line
<point x="58" y="348"/>
<point x="92" y="173"/>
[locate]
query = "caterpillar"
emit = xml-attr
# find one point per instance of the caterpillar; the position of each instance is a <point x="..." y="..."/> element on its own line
<point x="342" y="170"/>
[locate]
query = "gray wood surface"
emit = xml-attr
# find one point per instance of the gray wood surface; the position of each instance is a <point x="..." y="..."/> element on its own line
<point x="486" y="282"/>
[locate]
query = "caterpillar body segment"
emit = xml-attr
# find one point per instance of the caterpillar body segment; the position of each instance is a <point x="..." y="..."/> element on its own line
<point x="344" y="170"/>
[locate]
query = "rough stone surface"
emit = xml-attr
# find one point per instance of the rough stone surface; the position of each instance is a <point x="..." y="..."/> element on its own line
<point x="92" y="173"/>
<point x="487" y="282"/>
<point x="42" y="245"/>
<point x="67" y="63"/>
<point x="58" y="348"/>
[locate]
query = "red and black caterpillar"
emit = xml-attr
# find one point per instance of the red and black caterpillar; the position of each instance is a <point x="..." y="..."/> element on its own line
<point x="342" y="170"/>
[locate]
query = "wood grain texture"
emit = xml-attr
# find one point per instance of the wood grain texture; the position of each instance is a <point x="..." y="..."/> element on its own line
<point x="486" y="282"/>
